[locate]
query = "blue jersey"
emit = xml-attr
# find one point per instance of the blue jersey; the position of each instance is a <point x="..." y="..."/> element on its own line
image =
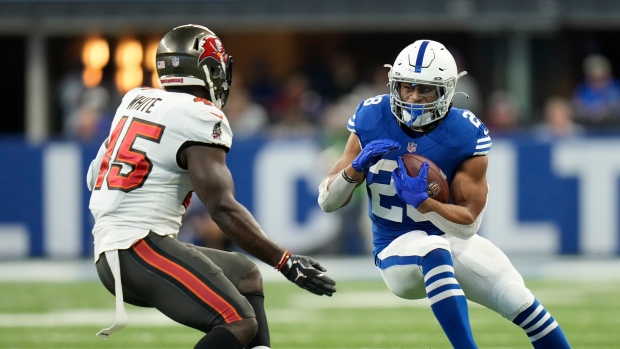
<point x="458" y="137"/>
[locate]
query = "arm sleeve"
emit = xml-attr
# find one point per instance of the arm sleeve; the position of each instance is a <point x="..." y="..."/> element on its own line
<point x="460" y="231"/>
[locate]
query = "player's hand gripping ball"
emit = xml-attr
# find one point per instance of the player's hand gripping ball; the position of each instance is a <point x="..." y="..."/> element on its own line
<point x="418" y="178"/>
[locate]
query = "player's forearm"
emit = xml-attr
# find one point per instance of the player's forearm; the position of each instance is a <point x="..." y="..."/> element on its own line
<point x="453" y="220"/>
<point x="336" y="190"/>
<point x="240" y="226"/>
<point x="454" y="213"/>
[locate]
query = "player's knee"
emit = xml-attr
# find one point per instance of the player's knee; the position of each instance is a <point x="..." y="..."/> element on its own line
<point x="244" y="329"/>
<point x="405" y="281"/>
<point x="244" y="261"/>
<point x="512" y="298"/>
<point x="252" y="282"/>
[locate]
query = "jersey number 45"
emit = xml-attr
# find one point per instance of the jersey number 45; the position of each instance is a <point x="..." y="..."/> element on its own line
<point x="139" y="164"/>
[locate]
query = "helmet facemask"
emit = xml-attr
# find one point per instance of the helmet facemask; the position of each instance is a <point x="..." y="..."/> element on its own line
<point x="420" y="114"/>
<point x="218" y="79"/>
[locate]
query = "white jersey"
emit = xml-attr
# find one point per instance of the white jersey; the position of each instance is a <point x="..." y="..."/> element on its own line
<point x="140" y="186"/>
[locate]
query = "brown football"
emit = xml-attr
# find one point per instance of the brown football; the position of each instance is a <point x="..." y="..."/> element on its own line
<point x="438" y="187"/>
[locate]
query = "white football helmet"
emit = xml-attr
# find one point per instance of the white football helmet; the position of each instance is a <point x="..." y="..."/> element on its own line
<point x="424" y="62"/>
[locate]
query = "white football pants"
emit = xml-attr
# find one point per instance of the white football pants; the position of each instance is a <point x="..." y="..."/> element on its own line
<point x="484" y="272"/>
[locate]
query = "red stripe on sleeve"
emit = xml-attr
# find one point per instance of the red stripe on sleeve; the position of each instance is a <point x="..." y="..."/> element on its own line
<point x="189" y="280"/>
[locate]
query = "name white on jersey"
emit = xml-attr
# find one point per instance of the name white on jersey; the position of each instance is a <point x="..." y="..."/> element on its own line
<point x="140" y="186"/>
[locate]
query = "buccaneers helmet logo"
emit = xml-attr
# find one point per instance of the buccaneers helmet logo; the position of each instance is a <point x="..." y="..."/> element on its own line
<point x="211" y="46"/>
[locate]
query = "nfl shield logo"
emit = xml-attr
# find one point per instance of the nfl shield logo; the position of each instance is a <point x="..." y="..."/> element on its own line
<point x="411" y="147"/>
<point x="175" y="61"/>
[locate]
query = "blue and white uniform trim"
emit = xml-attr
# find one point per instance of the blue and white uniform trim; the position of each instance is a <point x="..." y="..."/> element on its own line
<point x="420" y="58"/>
<point x="537" y="323"/>
<point x="351" y="124"/>
<point x="483" y="146"/>
<point x="441" y="284"/>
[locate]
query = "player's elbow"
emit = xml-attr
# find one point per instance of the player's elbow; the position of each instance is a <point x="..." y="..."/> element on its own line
<point x="221" y="210"/>
<point x="327" y="206"/>
<point x="467" y="234"/>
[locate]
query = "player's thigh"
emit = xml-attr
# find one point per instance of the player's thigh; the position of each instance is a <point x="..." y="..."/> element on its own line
<point x="487" y="276"/>
<point x="182" y="283"/>
<point x="400" y="263"/>
<point x="234" y="265"/>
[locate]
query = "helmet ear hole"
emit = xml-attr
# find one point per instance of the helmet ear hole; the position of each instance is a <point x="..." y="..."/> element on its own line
<point x="196" y="44"/>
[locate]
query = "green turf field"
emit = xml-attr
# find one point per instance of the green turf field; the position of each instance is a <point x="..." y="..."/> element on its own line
<point x="360" y="315"/>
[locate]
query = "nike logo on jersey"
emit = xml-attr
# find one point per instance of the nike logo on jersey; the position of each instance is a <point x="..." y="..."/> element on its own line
<point x="299" y="274"/>
<point x="486" y="131"/>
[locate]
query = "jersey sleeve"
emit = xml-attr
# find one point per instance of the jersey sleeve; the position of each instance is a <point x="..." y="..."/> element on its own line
<point x="208" y="124"/>
<point x="469" y="137"/>
<point x="368" y="117"/>
<point x="352" y="120"/>
<point x="483" y="141"/>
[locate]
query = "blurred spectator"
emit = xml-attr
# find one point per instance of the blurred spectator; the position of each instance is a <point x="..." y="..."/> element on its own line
<point x="343" y="76"/>
<point x="85" y="112"/>
<point x="246" y="117"/>
<point x="90" y="120"/>
<point x="558" y="121"/>
<point x="261" y="84"/>
<point x="296" y="109"/>
<point x="69" y="92"/>
<point x="597" y="98"/>
<point x="378" y="85"/>
<point x="467" y="84"/>
<point x="502" y="118"/>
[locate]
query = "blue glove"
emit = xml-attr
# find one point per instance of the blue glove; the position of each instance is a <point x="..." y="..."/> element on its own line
<point x="412" y="190"/>
<point x="372" y="152"/>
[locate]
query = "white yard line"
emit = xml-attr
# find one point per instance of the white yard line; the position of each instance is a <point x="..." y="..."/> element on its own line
<point x="301" y="308"/>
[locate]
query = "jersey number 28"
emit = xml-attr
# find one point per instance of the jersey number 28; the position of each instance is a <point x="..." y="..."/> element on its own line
<point x="139" y="164"/>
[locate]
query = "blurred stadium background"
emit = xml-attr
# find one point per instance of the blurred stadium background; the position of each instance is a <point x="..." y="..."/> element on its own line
<point x="300" y="68"/>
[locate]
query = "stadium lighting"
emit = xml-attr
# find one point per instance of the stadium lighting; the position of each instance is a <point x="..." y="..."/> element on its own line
<point x="95" y="56"/>
<point x="128" y="59"/>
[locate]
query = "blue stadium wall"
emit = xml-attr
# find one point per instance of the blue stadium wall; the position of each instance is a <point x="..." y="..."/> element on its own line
<point x="545" y="198"/>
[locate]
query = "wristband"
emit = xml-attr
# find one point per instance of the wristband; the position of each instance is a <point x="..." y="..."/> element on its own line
<point x="283" y="260"/>
<point x="347" y="178"/>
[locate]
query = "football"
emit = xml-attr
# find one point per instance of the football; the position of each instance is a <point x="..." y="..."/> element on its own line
<point x="438" y="187"/>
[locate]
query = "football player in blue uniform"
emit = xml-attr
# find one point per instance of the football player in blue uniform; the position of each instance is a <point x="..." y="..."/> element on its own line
<point x="425" y="248"/>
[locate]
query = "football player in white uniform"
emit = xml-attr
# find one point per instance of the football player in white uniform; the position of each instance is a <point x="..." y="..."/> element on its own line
<point x="163" y="145"/>
<point x="424" y="248"/>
